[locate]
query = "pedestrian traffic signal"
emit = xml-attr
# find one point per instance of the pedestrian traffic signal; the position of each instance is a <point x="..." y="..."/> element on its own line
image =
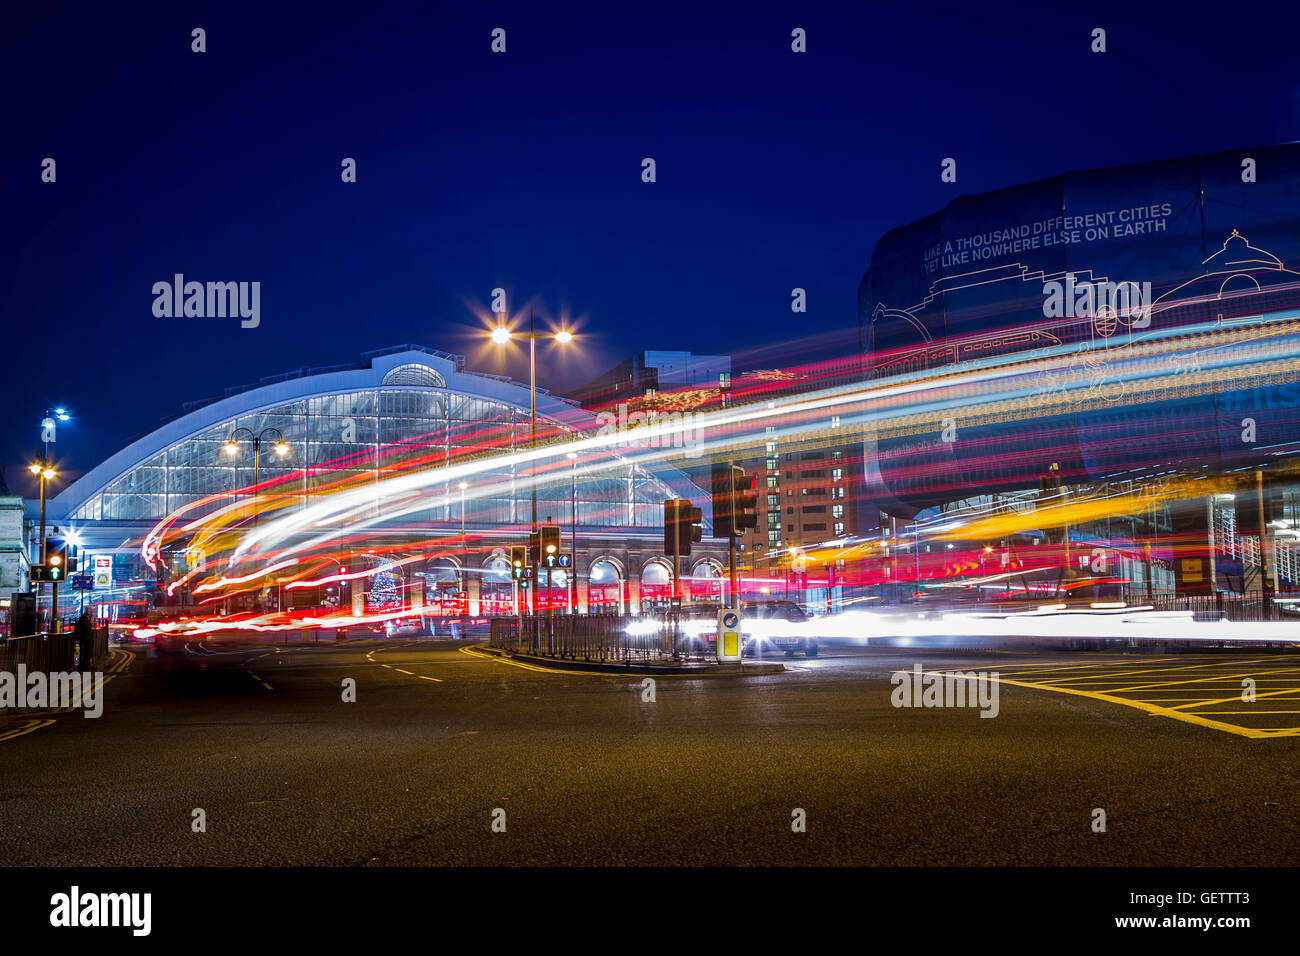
<point x="518" y="562"/>
<point x="54" y="560"/>
<point x="550" y="545"/>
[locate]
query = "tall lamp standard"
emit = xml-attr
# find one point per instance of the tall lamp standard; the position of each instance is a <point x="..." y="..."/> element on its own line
<point x="45" y="472"/>
<point x="464" y="552"/>
<point x="501" y="335"/>
<point x="232" y="449"/>
<point x="573" y="532"/>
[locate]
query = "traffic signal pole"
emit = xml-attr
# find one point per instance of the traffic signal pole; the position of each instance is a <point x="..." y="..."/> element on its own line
<point x="1265" y="582"/>
<point x="731" y="536"/>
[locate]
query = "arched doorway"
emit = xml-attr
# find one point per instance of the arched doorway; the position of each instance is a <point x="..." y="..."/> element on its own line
<point x="604" y="587"/>
<point x="656" y="587"/>
<point x="705" y="583"/>
<point x="442" y="591"/>
<point x="496" y="591"/>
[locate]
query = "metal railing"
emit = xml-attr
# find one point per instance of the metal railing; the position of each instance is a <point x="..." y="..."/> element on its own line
<point x="75" y="650"/>
<point x="1231" y="607"/>
<point x="588" y="637"/>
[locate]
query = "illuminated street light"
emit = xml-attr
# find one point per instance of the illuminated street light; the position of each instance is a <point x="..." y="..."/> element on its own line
<point x="232" y="449"/>
<point x="501" y="335"/>
<point x="44" y="471"/>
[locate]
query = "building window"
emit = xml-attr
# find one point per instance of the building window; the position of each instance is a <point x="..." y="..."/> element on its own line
<point x="724" y="380"/>
<point x="771" y="464"/>
<point x="774" y="521"/>
<point x="836" y="455"/>
<point x="774" y="538"/>
<point x="771" y="481"/>
<point x="815" y="473"/>
<point x="839" y="529"/>
<point x="771" y="448"/>
<point x="789" y="511"/>
<point x="837" y="511"/>
<point x="814" y="509"/>
<point x="812" y="492"/>
<point x="837" y="492"/>
<point x="837" y="474"/>
<point x="790" y="528"/>
<point x="835" y="421"/>
<point x="815" y="527"/>
<point x="774" y="501"/>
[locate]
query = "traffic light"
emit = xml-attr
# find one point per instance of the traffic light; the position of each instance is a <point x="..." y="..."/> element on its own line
<point x="534" y="548"/>
<point x="518" y="561"/>
<point x="682" y="526"/>
<point x="53" y="561"/>
<point x="735" y="503"/>
<point x="744" y="503"/>
<point x="550" y="545"/>
<point x="670" y="525"/>
<point x="722" y="488"/>
<point x="690" y="524"/>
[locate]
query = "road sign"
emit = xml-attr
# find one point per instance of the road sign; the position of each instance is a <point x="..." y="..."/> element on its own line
<point x="101" y="566"/>
<point x="82" y="582"/>
<point x="729" y="641"/>
<point x="566" y="560"/>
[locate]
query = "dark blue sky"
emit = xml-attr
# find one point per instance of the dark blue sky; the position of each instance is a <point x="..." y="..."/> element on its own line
<point x="522" y="170"/>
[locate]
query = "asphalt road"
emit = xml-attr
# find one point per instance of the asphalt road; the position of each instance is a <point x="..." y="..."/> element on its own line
<point x="587" y="772"/>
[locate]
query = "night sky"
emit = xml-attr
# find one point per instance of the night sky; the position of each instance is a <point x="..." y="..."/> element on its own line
<point x="523" y="170"/>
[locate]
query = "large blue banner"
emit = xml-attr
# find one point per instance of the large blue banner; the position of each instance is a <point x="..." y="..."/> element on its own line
<point x="1096" y="264"/>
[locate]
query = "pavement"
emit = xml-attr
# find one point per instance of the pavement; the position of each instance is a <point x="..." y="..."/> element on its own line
<point x="592" y="769"/>
<point x="683" y="668"/>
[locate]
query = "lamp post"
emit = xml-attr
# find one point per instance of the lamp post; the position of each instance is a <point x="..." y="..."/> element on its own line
<point x="44" y="472"/>
<point x="502" y="335"/>
<point x="464" y="552"/>
<point x="281" y="449"/>
<point x="573" y="533"/>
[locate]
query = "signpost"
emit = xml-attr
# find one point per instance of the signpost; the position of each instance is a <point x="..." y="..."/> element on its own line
<point x="729" y="639"/>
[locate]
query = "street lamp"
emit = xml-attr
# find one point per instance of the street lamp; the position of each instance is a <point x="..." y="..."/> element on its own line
<point x="501" y="335"/>
<point x="573" y="533"/>
<point x="44" y="471"/>
<point x="464" y="550"/>
<point x="232" y="449"/>
<point x="281" y="449"/>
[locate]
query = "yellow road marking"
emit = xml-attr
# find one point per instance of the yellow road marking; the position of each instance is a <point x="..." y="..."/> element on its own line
<point x="26" y="727"/>
<point x="118" y="662"/>
<point x="1254" y="733"/>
